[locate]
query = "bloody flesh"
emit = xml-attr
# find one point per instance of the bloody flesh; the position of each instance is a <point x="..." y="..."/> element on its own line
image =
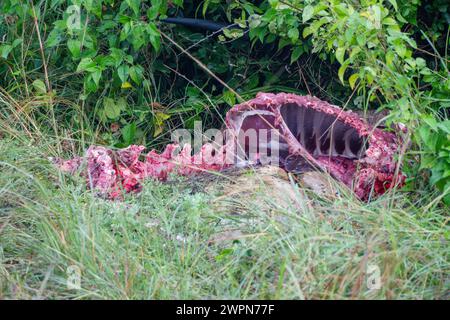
<point x="311" y="133"/>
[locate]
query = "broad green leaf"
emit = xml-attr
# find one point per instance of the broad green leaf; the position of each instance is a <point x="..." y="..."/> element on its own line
<point x="54" y="38"/>
<point x="293" y="34"/>
<point x="134" y="5"/>
<point x="128" y="133"/>
<point x="5" y="50"/>
<point x="96" y="76"/>
<point x="117" y="55"/>
<point x="352" y="80"/>
<point x="153" y="30"/>
<point x="74" y="47"/>
<point x="315" y="26"/>
<point x="389" y="21"/>
<point x="394" y="4"/>
<point x="390" y="58"/>
<point x="421" y="63"/>
<point x="229" y="98"/>
<point x="307" y="31"/>
<point x="122" y="104"/>
<point x="136" y="74"/>
<point x="296" y="53"/>
<point x="205" y="7"/>
<point x="308" y="13"/>
<point x="341" y="71"/>
<point x="156" y="43"/>
<point x="112" y="110"/>
<point x="89" y="84"/>
<point x="252" y="82"/>
<point x="354" y="52"/>
<point x="376" y="16"/>
<point x="261" y="33"/>
<point x="17" y="42"/>
<point x="154" y="36"/>
<point x="400" y="48"/>
<point x="361" y="39"/>
<point x="320" y="8"/>
<point x="39" y="86"/>
<point x="126" y="29"/>
<point x="283" y="43"/>
<point x="445" y="126"/>
<point x="84" y="64"/>
<point x="430" y="121"/>
<point x="138" y="37"/>
<point x="94" y="7"/>
<point x="254" y="20"/>
<point x="123" y="72"/>
<point x="341" y="10"/>
<point x="349" y="34"/>
<point x="340" y="52"/>
<point x="153" y="12"/>
<point x="73" y="21"/>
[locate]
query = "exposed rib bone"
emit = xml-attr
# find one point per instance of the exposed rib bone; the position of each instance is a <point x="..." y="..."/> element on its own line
<point x="317" y="126"/>
<point x="347" y="151"/>
<point x="300" y="132"/>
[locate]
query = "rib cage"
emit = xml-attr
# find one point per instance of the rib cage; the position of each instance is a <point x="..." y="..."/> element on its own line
<point x="322" y="134"/>
<point x="314" y="134"/>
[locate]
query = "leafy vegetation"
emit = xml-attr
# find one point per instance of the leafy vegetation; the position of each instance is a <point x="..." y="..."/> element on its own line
<point x="76" y="72"/>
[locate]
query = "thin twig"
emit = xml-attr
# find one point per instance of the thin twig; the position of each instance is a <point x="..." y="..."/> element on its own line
<point x="41" y="46"/>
